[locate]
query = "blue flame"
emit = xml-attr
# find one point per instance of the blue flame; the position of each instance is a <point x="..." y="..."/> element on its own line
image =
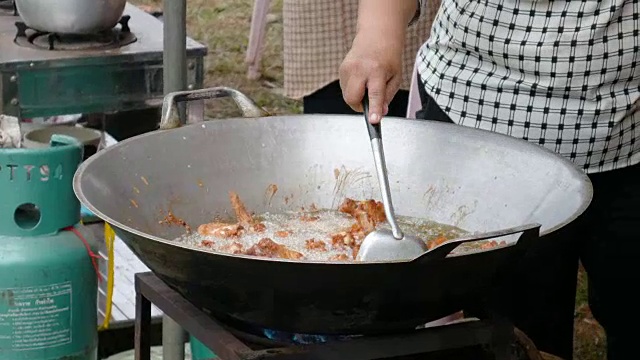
<point x="309" y="339"/>
<point x="304" y="339"/>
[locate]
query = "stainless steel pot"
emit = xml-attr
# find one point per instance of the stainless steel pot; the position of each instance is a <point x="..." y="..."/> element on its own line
<point x="71" y="16"/>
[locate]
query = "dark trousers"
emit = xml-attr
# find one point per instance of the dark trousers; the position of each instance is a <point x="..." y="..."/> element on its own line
<point x="328" y="100"/>
<point x="611" y="239"/>
<point x="604" y="238"/>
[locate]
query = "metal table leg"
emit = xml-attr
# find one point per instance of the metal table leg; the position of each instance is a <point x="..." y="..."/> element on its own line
<point x="142" y="327"/>
<point x="172" y="339"/>
<point x="503" y="336"/>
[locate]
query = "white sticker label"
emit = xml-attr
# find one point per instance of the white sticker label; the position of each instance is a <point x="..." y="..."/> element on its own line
<point x="34" y="318"/>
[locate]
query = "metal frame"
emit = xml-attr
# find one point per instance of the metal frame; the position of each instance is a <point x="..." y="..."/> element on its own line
<point x="498" y="335"/>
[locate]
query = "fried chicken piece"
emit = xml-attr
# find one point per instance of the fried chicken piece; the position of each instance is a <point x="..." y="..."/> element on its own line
<point x="233" y="248"/>
<point x="171" y="219"/>
<point x="356" y="232"/>
<point x="488" y="245"/>
<point x="342" y="239"/>
<point x="269" y="248"/>
<point x="283" y="233"/>
<point x="337" y="239"/>
<point x="341" y="257"/>
<point x="220" y="230"/>
<point x="309" y="218"/>
<point x="244" y="218"/>
<point x="437" y="241"/>
<point x="491" y="244"/>
<point x="348" y="206"/>
<point x="313" y="244"/>
<point x="366" y="222"/>
<point x="374" y="209"/>
<point x="207" y="243"/>
<point x="258" y="227"/>
<point x="368" y="213"/>
<point x="355" y="250"/>
<point x="352" y="238"/>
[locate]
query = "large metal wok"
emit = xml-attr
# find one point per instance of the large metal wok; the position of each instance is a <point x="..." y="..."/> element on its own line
<point x="480" y="181"/>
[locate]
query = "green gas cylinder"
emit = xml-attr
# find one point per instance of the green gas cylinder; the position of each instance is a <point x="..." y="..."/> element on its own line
<point x="48" y="284"/>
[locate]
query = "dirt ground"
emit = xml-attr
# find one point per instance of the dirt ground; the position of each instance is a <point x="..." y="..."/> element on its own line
<point x="223" y="25"/>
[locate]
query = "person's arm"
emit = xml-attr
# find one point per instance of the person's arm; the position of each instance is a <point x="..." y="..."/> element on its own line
<point x="381" y="15"/>
<point x="375" y="59"/>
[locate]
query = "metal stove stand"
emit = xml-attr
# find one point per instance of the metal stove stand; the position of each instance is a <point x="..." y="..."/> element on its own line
<point x="494" y="335"/>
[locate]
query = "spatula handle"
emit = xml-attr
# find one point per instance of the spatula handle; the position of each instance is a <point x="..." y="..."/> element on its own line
<point x="375" y="130"/>
<point x="375" y="134"/>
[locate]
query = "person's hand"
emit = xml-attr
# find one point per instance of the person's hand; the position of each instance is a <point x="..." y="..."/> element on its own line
<point x="375" y="63"/>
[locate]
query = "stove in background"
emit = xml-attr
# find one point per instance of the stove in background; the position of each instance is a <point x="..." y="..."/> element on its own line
<point x="120" y="70"/>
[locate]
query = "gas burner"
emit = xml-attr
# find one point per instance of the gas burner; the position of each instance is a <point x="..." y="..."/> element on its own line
<point x="473" y="339"/>
<point x="265" y="338"/>
<point x="8" y="8"/>
<point x="106" y="40"/>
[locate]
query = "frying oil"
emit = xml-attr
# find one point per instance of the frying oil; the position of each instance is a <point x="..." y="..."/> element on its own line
<point x="325" y="224"/>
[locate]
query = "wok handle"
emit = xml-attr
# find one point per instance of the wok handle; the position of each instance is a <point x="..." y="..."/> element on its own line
<point x="529" y="232"/>
<point x="248" y="107"/>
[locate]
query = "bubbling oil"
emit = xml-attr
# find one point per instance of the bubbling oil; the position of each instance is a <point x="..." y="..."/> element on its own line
<point x="325" y="224"/>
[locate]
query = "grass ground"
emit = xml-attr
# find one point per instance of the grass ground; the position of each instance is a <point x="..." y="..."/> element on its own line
<point x="223" y="25"/>
<point x="590" y="342"/>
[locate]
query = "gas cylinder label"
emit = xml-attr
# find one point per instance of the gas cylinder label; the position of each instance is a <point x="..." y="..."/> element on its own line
<point x="34" y="318"/>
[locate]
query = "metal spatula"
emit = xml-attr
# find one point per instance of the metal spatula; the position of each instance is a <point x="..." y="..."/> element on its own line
<point x="384" y="244"/>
